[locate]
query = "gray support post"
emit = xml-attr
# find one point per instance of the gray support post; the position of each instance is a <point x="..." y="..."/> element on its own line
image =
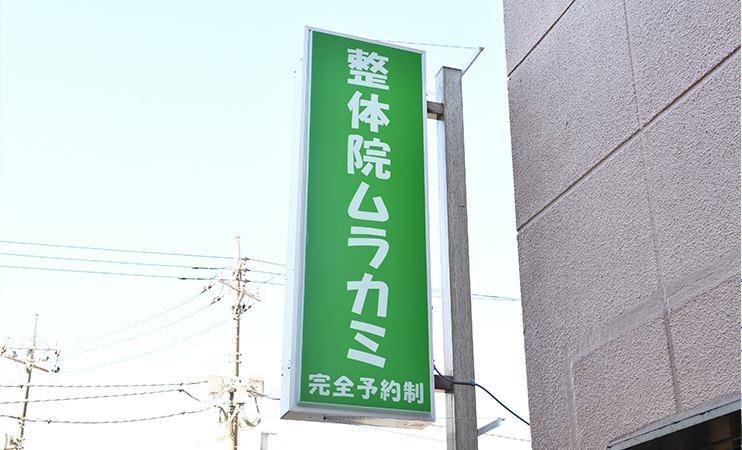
<point x="461" y="410"/>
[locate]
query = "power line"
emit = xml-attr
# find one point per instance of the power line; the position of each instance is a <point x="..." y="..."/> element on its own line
<point x="386" y="430"/>
<point x="152" y="351"/>
<point x="439" y="292"/>
<point x="115" y="250"/>
<point x="127" y="394"/>
<point x="197" y="399"/>
<point x="432" y="45"/>
<point x="507" y="437"/>
<point x="485" y="434"/>
<point x="115" y="262"/>
<point x="344" y="421"/>
<point x="494" y="297"/>
<point x="106" y="273"/>
<point x="263" y="272"/>
<point x="140" y="335"/>
<point x="137" y="251"/>
<point x="142" y="321"/>
<point x="97" y="386"/>
<point x="108" y="421"/>
<point x="264" y="282"/>
<point x="135" y="274"/>
<point x="265" y="262"/>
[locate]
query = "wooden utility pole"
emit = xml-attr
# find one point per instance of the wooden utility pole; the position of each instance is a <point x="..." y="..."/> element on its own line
<point x="461" y="410"/>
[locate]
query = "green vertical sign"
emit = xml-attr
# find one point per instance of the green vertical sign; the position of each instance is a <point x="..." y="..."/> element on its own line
<point x="360" y="347"/>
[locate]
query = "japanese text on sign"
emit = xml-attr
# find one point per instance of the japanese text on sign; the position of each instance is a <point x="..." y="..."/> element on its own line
<point x="388" y="390"/>
<point x="366" y="156"/>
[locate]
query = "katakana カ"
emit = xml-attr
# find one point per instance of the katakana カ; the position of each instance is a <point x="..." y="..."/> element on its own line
<point x="363" y="287"/>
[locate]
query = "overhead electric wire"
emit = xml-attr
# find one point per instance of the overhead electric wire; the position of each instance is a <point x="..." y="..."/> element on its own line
<point x="50" y="421"/>
<point x="131" y="274"/>
<point x="432" y="45"/>
<point x="190" y="395"/>
<point x="152" y="351"/>
<point x="265" y="282"/>
<point x="261" y="261"/>
<point x="261" y="395"/>
<point x="472" y="383"/>
<point x="98" y="386"/>
<point x="136" y="251"/>
<point x="486" y="434"/>
<point x="439" y="292"/>
<point x="332" y="419"/>
<point x="494" y="297"/>
<point x="116" y="262"/>
<point x="105" y="273"/>
<point x="259" y="271"/>
<point x="115" y="250"/>
<point x="507" y="437"/>
<point x="144" y="320"/>
<point x="139" y="335"/>
<point x="93" y="397"/>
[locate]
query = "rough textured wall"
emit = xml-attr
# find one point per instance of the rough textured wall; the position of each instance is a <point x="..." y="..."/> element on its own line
<point x="625" y="124"/>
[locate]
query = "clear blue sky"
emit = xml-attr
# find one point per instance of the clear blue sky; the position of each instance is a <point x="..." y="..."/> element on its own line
<point x="166" y="127"/>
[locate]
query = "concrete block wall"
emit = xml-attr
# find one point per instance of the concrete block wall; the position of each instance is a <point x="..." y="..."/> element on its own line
<point x="625" y="128"/>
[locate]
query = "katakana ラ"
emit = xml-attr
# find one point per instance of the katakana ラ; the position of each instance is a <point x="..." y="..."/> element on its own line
<point x="383" y="246"/>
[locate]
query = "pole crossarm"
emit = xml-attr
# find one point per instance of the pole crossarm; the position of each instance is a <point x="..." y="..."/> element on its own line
<point x="435" y="110"/>
<point x="24" y="362"/>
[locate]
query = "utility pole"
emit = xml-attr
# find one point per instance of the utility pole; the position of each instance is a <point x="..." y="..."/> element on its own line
<point x="235" y="387"/>
<point x="458" y="350"/>
<point x="27" y="385"/>
<point x="16" y="442"/>
<point x="239" y="294"/>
